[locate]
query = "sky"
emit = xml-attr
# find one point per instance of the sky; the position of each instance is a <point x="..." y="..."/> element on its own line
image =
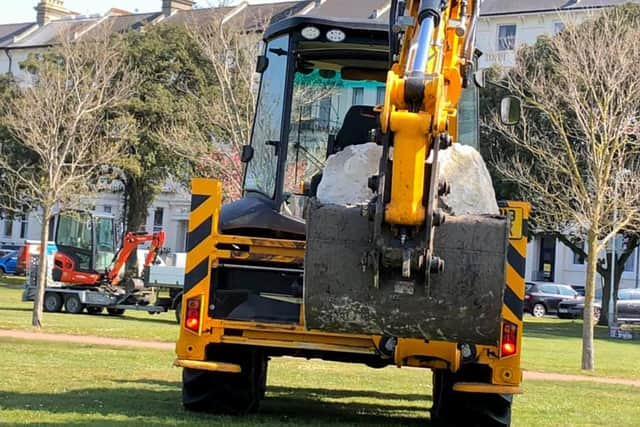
<point x="14" y="11"/>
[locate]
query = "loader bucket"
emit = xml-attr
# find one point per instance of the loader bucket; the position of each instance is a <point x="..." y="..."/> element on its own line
<point x="463" y="304"/>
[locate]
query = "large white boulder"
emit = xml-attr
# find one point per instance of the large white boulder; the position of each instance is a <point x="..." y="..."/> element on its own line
<point x="346" y="174"/>
<point x="471" y="187"/>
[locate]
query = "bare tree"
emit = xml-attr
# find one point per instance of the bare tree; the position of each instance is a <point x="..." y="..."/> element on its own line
<point x="576" y="150"/>
<point x="66" y="117"/>
<point x="213" y="123"/>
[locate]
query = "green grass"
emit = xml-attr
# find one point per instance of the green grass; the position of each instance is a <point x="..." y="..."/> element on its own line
<point x="57" y="384"/>
<point x="15" y="314"/>
<point x="555" y="345"/>
<point x="550" y="344"/>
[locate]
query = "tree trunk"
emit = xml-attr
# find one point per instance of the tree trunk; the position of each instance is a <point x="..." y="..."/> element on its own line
<point x="140" y="195"/>
<point x="588" y="351"/>
<point x="36" y="320"/>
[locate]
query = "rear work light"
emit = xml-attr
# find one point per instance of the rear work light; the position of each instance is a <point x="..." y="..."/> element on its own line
<point x="192" y="318"/>
<point x="509" y="345"/>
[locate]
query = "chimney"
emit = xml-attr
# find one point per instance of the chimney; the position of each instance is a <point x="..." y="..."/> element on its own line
<point x="50" y="10"/>
<point x="171" y="6"/>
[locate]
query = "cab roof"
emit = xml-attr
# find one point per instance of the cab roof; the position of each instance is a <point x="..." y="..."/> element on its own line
<point x="377" y="29"/>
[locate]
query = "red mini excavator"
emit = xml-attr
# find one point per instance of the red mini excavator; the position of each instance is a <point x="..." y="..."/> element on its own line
<point x="86" y="254"/>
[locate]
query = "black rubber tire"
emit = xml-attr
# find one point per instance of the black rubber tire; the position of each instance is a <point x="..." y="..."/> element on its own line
<point x="52" y="302"/>
<point x="73" y="305"/>
<point x="452" y="408"/>
<point x="538" y="310"/>
<point x="94" y="310"/>
<point x="226" y="393"/>
<point x="115" y="311"/>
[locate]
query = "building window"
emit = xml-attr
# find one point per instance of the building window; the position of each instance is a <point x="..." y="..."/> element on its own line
<point x="24" y="223"/>
<point x="630" y="264"/>
<point x="358" y="96"/>
<point x="7" y="228"/>
<point x="107" y="209"/>
<point x="380" y="95"/>
<point x="325" y="112"/>
<point x="158" y="219"/>
<point x="558" y="27"/>
<point x="506" y="37"/>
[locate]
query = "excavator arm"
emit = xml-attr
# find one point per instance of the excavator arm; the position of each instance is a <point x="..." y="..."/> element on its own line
<point x="380" y="268"/>
<point x="423" y="90"/>
<point x="130" y="243"/>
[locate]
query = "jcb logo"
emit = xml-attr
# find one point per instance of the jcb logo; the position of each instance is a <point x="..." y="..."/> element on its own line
<point x="516" y="216"/>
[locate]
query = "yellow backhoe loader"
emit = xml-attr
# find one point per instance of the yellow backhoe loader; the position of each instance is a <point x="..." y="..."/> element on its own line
<point x="394" y="281"/>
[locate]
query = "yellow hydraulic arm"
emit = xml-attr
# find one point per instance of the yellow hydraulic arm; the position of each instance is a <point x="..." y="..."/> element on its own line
<point x="423" y="90"/>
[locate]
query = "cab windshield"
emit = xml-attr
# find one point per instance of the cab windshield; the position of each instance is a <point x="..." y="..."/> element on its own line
<point x="260" y="175"/>
<point x="321" y="101"/>
<point x="333" y="94"/>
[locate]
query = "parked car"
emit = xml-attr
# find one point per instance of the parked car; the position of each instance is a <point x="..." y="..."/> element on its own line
<point x="628" y="306"/>
<point x="543" y="297"/>
<point x="8" y="263"/>
<point x="579" y="289"/>
<point x="7" y="249"/>
<point x="574" y="308"/>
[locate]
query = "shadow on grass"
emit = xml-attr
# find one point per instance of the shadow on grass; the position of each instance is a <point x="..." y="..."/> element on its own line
<point x="283" y="406"/>
<point x="16" y="308"/>
<point x="15" y="285"/>
<point x="310" y="393"/>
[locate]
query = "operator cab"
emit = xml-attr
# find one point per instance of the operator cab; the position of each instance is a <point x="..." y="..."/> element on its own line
<point x="88" y="240"/>
<point x="321" y="81"/>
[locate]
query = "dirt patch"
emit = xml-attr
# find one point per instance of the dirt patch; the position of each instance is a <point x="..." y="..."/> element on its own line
<point x="549" y="376"/>
<point x="158" y="345"/>
<point x="84" y="339"/>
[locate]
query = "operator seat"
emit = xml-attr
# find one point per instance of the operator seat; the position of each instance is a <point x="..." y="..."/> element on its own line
<point x="357" y="124"/>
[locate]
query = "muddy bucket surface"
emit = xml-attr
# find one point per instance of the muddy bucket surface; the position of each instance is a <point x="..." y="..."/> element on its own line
<point x="463" y="304"/>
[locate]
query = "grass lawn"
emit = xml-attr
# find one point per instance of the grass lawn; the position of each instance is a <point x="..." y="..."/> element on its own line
<point x="15" y="314"/>
<point x="58" y="384"/>
<point x="555" y="345"/>
<point x="550" y="344"/>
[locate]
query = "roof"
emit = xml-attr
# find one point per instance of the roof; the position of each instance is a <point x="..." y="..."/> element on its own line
<point x="9" y="31"/>
<point x="123" y="23"/>
<point x="198" y="16"/>
<point x="254" y="17"/>
<point x="514" y="7"/>
<point x="286" y="25"/>
<point x="54" y="32"/>
<point x="352" y="9"/>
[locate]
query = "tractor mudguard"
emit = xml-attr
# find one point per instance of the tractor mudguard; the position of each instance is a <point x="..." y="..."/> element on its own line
<point x="463" y="304"/>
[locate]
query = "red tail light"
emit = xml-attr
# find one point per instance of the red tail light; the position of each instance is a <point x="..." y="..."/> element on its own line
<point x="192" y="320"/>
<point x="509" y="339"/>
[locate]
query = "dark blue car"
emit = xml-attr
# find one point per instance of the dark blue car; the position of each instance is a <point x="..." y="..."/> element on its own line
<point x="8" y="263"/>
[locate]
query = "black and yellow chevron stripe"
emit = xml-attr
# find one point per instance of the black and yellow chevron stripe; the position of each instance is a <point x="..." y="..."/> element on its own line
<point x="518" y="212"/>
<point x="202" y="227"/>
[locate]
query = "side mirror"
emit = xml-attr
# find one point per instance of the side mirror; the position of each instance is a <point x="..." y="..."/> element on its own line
<point x="479" y="79"/>
<point x="510" y="110"/>
<point x="262" y="64"/>
<point x="247" y="154"/>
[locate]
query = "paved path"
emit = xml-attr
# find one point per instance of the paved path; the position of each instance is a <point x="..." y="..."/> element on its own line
<point x="158" y="345"/>
<point x="86" y="339"/>
<point x="549" y="376"/>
